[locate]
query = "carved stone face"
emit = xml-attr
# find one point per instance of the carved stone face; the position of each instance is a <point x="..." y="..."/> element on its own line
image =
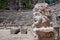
<point x="41" y="14"/>
<point x="42" y="18"/>
<point x="42" y="8"/>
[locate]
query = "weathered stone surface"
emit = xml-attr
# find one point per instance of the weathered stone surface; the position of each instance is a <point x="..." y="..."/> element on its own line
<point x="42" y="17"/>
<point x="42" y="20"/>
<point x="24" y="30"/>
<point x="15" y="30"/>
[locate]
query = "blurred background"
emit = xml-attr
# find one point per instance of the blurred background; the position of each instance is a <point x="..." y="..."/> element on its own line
<point x="17" y="16"/>
<point x="21" y="4"/>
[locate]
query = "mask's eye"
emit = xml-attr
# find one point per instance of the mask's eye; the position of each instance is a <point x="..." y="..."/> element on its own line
<point x="41" y="12"/>
<point x="36" y="14"/>
<point x="49" y="11"/>
<point x="35" y="20"/>
<point x="41" y="6"/>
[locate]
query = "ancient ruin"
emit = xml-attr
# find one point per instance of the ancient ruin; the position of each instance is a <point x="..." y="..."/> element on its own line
<point x="43" y="25"/>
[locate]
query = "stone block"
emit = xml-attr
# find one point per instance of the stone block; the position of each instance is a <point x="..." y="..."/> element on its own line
<point x="15" y="30"/>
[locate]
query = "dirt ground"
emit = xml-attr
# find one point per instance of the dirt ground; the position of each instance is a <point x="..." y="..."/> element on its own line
<point x="6" y="35"/>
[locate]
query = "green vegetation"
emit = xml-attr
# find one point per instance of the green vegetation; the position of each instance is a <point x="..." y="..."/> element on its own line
<point x="4" y="4"/>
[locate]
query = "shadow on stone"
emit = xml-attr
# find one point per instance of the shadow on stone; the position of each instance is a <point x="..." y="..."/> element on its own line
<point x="15" y="30"/>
